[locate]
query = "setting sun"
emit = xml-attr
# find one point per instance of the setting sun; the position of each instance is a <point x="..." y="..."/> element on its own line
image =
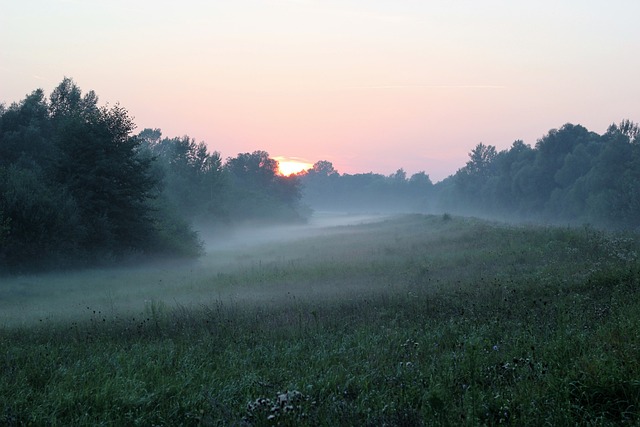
<point x="291" y="165"/>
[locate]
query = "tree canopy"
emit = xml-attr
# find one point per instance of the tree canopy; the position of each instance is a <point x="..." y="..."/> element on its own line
<point x="258" y="192"/>
<point x="324" y="188"/>
<point x="78" y="187"/>
<point x="571" y="175"/>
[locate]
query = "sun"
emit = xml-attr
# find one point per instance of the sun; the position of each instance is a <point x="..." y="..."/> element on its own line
<point x="291" y="165"/>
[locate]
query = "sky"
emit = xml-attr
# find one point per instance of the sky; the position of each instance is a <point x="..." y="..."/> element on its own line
<point x="371" y="86"/>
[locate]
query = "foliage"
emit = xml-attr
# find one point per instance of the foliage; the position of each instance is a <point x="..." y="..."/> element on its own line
<point x="98" y="163"/>
<point x="79" y="188"/>
<point x="258" y="193"/>
<point x="76" y="188"/>
<point x="40" y="222"/>
<point x="571" y="175"/>
<point x="199" y="187"/>
<point x="193" y="180"/>
<point x="325" y="189"/>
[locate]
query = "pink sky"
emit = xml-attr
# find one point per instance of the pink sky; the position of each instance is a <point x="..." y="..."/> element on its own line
<point x="368" y="85"/>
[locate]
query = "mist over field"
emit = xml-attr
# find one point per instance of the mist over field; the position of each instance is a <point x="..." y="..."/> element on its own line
<point x="119" y="291"/>
<point x="248" y="236"/>
<point x="398" y="320"/>
<point x="301" y="213"/>
<point x="145" y="280"/>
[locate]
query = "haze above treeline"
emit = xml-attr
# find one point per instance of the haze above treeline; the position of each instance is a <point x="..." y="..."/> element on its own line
<point x="78" y="187"/>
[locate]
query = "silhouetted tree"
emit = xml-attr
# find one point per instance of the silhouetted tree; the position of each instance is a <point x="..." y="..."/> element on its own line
<point x="258" y="192"/>
<point x="571" y="174"/>
<point x="101" y="167"/>
<point x="480" y="160"/>
<point x="193" y="180"/>
<point x="628" y="129"/>
<point x="420" y="179"/>
<point x="471" y="179"/>
<point x="325" y="189"/>
<point x="25" y="133"/>
<point x="323" y="168"/>
<point x="256" y="170"/>
<point x="612" y="181"/>
<point x="75" y="185"/>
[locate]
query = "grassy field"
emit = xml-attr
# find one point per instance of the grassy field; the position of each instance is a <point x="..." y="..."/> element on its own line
<point x="414" y="320"/>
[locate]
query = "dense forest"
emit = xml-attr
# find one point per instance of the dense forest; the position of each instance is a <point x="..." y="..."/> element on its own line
<point x="78" y="187"/>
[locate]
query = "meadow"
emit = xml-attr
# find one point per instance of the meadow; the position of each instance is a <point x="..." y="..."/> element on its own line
<point x="406" y="321"/>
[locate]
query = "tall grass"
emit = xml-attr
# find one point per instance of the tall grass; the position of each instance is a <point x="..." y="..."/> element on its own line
<point x="411" y="321"/>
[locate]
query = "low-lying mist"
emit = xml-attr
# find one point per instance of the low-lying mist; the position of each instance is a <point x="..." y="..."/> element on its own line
<point x="234" y="257"/>
<point x="249" y="236"/>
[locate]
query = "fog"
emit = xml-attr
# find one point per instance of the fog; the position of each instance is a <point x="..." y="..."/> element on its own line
<point x="108" y="293"/>
<point x="249" y="236"/>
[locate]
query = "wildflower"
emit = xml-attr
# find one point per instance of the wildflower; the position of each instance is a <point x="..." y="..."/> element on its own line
<point x="283" y="398"/>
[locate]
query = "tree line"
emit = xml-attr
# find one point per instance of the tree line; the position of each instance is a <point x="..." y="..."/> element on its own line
<point x="324" y="188"/>
<point x="570" y="176"/>
<point x="78" y="187"/>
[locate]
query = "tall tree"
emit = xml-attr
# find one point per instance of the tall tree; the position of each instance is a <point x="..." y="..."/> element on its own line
<point x="480" y="160"/>
<point x="100" y="165"/>
<point x="25" y="133"/>
<point x="255" y="169"/>
<point x="471" y="179"/>
<point x="257" y="191"/>
<point x="193" y="177"/>
<point x="324" y="168"/>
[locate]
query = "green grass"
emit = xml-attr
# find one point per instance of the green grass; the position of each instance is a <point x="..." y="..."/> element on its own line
<point x="415" y="320"/>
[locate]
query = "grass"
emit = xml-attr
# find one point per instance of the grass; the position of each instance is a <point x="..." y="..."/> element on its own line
<point x="416" y="320"/>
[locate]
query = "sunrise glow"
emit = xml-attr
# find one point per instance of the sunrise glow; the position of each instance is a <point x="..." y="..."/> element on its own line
<point x="371" y="86"/>
<point x="291" y="165"/>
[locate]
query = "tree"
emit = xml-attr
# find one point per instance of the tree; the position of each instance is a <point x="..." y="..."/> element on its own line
<point x="499" y="192"/>
<point x="628" y="129"/>
<point x="551" y="151"/>
<point x="66" y="100"/>
<point x="39" y="224"/>
<point x="323" y="168"/>
<point x="571" y="174"/>
<point x="480" y="160"/>
<point x="25" y="133"/>
<point x="471" y="179"/>
<point x="101" y="166"/>
<point x="255" y="169"/>
<point x="400" y="176"/>
<point x="76" y="187"/>
<point x="611" y="182"/>
<point x="257" y="191"/>
<point x="192" y="177"/>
